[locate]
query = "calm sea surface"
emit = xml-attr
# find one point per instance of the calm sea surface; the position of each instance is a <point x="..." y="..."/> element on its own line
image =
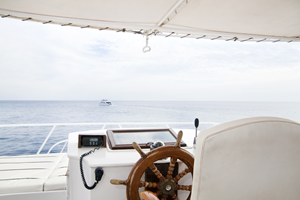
<point x="27" y="140"/>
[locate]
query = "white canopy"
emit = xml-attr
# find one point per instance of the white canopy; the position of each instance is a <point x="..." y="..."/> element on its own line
<point x="237" y="20"/>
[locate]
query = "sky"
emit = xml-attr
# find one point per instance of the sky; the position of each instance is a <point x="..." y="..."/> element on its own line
<point x="50" y="62"/>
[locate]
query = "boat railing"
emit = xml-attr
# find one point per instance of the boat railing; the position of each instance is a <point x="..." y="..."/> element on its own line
<point x="104" y="125"/>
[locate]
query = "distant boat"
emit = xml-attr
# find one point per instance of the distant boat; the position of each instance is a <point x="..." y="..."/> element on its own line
<point x="105" y="102"/>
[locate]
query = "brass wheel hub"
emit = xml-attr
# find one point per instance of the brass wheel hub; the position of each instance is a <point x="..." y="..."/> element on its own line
<point x="168" y="186"/>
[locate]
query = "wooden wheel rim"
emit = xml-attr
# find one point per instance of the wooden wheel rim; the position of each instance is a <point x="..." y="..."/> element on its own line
<point x="143" y="163"/>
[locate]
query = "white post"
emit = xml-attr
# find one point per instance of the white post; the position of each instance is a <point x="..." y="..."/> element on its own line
<point x="46" y="139"/>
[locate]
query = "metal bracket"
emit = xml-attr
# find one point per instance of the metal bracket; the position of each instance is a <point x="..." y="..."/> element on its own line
<point x="146" y="48"/>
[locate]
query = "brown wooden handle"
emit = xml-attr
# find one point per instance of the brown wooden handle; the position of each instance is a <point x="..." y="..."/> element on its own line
<point x="118" y="182"/>
<point x="179" y="137"/>
<point x="138" y="149"/>
<point x="148" y="195"/>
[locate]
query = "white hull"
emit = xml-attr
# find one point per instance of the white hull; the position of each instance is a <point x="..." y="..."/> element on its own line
<point x="105" y="102"/>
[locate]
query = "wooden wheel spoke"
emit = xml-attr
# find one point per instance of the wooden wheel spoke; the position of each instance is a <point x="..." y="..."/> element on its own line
<point x="139" y="150"/>
<point x="174" y="196"/>
<point x="184" y="187"/>
<point x="158" y="193"/>
<point x="182" y="174"/>
<point x="148" y="184"/>
<point x="179" y="137"/>
<point x="171" y="167"/>
<point x="164" y="197"/>
<point x="157" y="172"/>
<point x="118" y="182"/>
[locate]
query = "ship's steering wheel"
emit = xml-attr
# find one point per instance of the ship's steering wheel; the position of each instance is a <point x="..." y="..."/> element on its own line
<point x="166" y="186"/>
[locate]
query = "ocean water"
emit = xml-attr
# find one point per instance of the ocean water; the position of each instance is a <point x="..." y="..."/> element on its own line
<point x="27" y="140"/>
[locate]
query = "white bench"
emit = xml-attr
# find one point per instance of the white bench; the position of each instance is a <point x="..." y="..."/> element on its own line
<point x="33" y="173"/>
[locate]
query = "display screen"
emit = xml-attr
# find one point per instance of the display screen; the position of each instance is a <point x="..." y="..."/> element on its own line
<point x="93" y="139"/>
<point x="143" y="137"/>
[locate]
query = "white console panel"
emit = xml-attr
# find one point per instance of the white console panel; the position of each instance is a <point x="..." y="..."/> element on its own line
<point x="116" y="164"/>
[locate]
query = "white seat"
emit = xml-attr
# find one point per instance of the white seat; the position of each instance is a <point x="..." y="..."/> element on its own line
<point x="33" y="173"/>
<point x="254" y="158"/>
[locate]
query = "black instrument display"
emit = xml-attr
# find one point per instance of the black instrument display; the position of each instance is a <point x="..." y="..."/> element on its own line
<point x="91" y="141"/>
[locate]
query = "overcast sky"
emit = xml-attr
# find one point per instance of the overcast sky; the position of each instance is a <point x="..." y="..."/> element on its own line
<point x="51" y="62"/>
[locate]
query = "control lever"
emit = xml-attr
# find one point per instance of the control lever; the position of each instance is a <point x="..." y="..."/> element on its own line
<point x="196" y="126"/>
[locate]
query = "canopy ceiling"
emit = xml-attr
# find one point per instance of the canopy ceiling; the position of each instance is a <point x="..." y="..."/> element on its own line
<point x="238" y="20"/>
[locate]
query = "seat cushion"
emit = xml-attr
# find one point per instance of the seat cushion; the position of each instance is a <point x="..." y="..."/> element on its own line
<point x="19" y="174"/>
<point x="58" y="178"/>
<point x="253" y="158"/>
